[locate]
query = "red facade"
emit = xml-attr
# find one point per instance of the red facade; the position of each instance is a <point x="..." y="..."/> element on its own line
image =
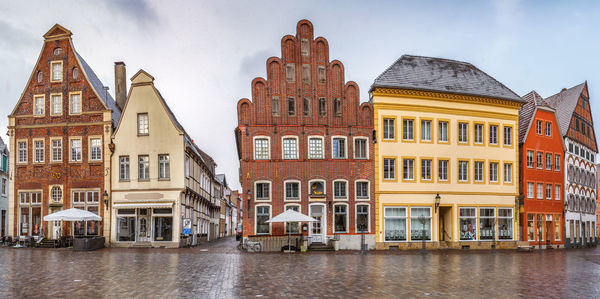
<point x="542" y="213"/>
<point x="305" y="97"/>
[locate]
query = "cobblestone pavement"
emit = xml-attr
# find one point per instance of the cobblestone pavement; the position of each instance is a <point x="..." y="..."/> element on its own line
<point x="218" y="270"/>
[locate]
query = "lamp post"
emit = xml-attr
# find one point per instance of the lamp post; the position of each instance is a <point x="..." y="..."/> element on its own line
<point x="437" y="202"/>
<point x="105" y="198"/>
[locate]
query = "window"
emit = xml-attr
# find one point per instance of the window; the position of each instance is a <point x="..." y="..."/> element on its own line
<point x="389" y="129"/>
<point x="507" y="136"/>
<point x="304" y="47"/>
<point x="463" y="171"/>
<point x="56" y="194"/>
<point x="557" y="162"/>
<point x="56" y="106"/>
<point x="548" y="161"/>
<point x="468" y="224"/>
<point x="30" y="212"/>
<point x="505" y="224"/>
<point x="548" y="129"/>
<point x="486" y="223"/>
<point x="164" y="168"/>
<point x="317" y="188"/>
<point x="38" y="151"/>
<point x="577" y="124"/>
<point x="291" y="106"/>
<point x="463" y="132"/>
<point x="315" y="148"/>
<point x="290" y="148"/>
<point x="290" y="72"/>
<point x="126" y="225"/>
<point x="143" y="167"/>
<point x="263" y="213"/>
<point x="261" y="149"/>
<point x="538" y="127"/>
<point x="305" y="73"/>
<point x="389" y="169"/>
<point x="95" y="149"/>
<point x="443" y="170"/>
<point x="4" y="189"/>
<point x="124" y="168"/>
<point x="507" y="173"/>
<point x="425" y="130"/>
<point x="362" y="190"/>
<point x="478" y="176"/>
<point x="142" y="123"/>
<point x="339" y="148"/>
<point x="408" y="129"/>
<point x="557" y="227"/>
<point x="557" y="192"/>
<point x="571" y="147"/>
<point x="76" y="150"/>
<point x="408" y="169"/>
<point x="22" y="149"/>
<point x="306" y="106"/>
<point x="420" y="224"/>
<point x="362" y="218"/>
<point x="539" y="161"/>
<point x="493" y="172"/>
<point x="340" y="218"/>
<point x="75" y="73"/>
<point x="293" y="227"/>
<point x="540" y="191"/>
<point x="38" y="108"/>
<point x="443" y="131"/>
<point x="322" y="107"/>
<point x="56" y="71"/>
<point x="360" y="148"/>
<point x="75" y="103"/>
<point x="321" y="75"/>
<point x="337" y="107"/>
<point x="530" y="190"/>
<point x="292" y="191"/>
<point x="529" y="159"/>
<point x="478" y="132"/>
<point x="530" y="227"/>
<point x="394" y="224"/>
<point x="493" y="134"/>
<point x="40" y="76"/>
<point x="340" y="190"/>
<point x="56" y="145"/>
<point x="88" y="201"/>
<point x="263" y="191"/>
<point x="275" y="106"/>
<point x="57" y="51"/>
<point x="548" y="191"/>
<point x="426" y="169"/>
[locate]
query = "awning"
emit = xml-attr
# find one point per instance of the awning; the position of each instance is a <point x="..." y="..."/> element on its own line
<point x="124" y="205"/>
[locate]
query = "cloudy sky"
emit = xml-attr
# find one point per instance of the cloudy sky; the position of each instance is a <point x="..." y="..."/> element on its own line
<point x="204" y="54"/>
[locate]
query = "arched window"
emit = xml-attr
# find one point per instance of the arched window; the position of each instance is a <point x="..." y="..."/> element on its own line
<point x="56" y="194"/>
<point x="39" y="76"/>
<point x="75" y="73"/>
<point x="57" y="51"/>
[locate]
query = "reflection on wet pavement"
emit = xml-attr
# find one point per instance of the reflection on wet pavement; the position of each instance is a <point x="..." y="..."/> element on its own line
<point x="218" y="270"/>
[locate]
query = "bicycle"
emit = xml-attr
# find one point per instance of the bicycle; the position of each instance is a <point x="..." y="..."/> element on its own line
<point x="249" y="246"/>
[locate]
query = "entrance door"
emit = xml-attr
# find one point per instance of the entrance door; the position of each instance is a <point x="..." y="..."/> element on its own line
<point x="3" y="223"/>
<point x="318" y="228"/>
<point x="548" y="232"/>
<point x="144" y="226"/>
<point x="56" y="229"/>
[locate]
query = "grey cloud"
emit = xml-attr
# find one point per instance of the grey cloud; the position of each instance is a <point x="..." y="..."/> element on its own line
<point x="139" y="10"/>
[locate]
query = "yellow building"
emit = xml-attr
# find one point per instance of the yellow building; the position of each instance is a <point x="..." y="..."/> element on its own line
<point x="446" y="167"/>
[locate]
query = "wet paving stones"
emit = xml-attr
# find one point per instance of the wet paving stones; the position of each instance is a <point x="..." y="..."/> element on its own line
<point x="218" y="270"/>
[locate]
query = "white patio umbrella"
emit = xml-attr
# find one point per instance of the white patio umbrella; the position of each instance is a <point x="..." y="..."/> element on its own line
<point x="291" y="216"/>
<point x="72" y="214"/>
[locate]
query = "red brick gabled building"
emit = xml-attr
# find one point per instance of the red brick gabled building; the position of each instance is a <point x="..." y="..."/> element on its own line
<point x="59" y="137"/>
<point x="541" y="173"/>
<point x="305" y="143"/>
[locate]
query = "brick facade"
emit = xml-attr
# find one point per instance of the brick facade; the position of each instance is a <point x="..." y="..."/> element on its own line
<point x="324" y="105"/>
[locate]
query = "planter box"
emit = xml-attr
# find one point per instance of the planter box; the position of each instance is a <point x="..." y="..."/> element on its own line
<point x="88" y="243"/>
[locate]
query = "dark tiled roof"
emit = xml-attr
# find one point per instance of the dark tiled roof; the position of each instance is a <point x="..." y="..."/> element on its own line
<point x="97" y="85"/>
<point x="564" y="103"/>
<point x="442" y="75"/>
<point x="221" y="179"/>
<point x="2" y="145"/>
<point x="533" y="100"/>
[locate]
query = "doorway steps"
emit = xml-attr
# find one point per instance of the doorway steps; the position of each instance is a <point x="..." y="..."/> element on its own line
<point x="48" y="243"/>
<point x="320" y="247"/>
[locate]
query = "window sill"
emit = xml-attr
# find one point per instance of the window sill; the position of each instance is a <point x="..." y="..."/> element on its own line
<point x="165" y="179"/>
<point x="123" y="180"/>
<point x="95" y="161"/>
<point x="143" y="180"/>
<point x="340" y="199"/>
<point x="75" y="162"/>
<point x="140" y="135"/>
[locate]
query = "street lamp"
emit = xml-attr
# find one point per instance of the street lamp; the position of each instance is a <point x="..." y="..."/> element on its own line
<point x="248" y="193"/>
<point x="105" y="197"/>
<point x="437" y="202"/>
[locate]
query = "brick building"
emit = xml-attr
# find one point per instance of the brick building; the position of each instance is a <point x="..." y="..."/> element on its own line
<point x="305" y="143"/>
<point x="541" y="166"/>
<point x="59" y="136"/>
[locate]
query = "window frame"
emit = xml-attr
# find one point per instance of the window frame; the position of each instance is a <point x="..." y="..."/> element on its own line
<point x="557" y="162"/>
<point x="413" y="160"/>
<point x="530" y="190"/>
<point x="71" y="139"/>
<point x="467" y="172"/>
<point x="322" y="138"/>
<point x="497" y="135"/>
<point x="466" y="134"/>
<point x="71" y="94"/>
<point x="288" y="199"/>
<point x="448" y="172"/>
<point x="528" y="160"/>
<point x="345" y="138"/>
<point x="412" y="132"/>
<point x="270" y="198"/>
<point x="431" y="169"/>
<point x="482" y="125"/>
<point x="35" y="149"/>
<point x="354" y="151"/>
<point x="26" y="154"/>
<point x="368" y="205"/>
<point x="52" y="78"/>
<point x="90" y="138"/>
<point x="431" y="133"/>
<point x="283" y="151"/>
<point x="347" y="190"/>
<point x="497" y="164"/>
<point x="166" y="165"/>
<point x="147" y="129"/>
<point x="448" y="138"/>
<point x="34" y="111"/>
<point x="347" y="216"/>
<point x="394" y="120"/>
<point x="323" y="182"/>
<point x="51" y="146"/>
<point x="512" y="173"/>
<point x="268" y="138"/>
<point x="362" y="198"/>
<point x="60" y="96"/>
<point x="256" y="216"/>
<point x="394" y="171"/>
<point x="128" y="166"/>
<point x="290" y="69"/>
<point x="512" y="136"/>
<point x="482" y="180"/>
<point x="548" y="129"/>
<point x="138" y="168"/>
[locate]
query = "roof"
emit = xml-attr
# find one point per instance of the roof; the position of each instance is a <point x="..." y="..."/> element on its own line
<point x="220" y="178"/>
<point x="526" y="112"/>
<point x="442" y="75"/>
<point x="565" y="102"/>
<point x="97" y="85"/>
<point x="3" y="145"/>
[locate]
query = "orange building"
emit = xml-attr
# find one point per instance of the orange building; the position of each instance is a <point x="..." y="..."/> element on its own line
<point x="542" y="173"/>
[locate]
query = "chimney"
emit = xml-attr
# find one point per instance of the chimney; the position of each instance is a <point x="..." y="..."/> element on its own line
<point x="120" y="84"/>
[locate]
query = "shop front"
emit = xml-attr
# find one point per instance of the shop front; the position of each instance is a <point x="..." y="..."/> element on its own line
<point x="144" y="225"/>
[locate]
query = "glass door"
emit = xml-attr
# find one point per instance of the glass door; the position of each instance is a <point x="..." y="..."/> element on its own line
<point x="318" y="227"/>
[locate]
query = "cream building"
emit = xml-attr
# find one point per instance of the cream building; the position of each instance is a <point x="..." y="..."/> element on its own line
<point x="446" y="156"/>
<point x="161" y="182"/>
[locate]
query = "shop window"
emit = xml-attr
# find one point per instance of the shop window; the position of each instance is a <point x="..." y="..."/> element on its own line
<point x="163" y="228"/>
<point x="468" y="224"/>
<point x="30" y="213"/>
<point x="88" y="200"/>
<point x="557" y="223"/>
<point x="486" y="223"/>
<point x="262" y="215"/>
<point x="126" y="228"/>
<point x="394" y="224"/>
<point x="292" y="227"/>
<point x="362" y="218"/>
<point x="530" y="227"/>
<point x="505" y="224"/>
<point x="420" y="224"/>
<point x="340" y="218"/>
